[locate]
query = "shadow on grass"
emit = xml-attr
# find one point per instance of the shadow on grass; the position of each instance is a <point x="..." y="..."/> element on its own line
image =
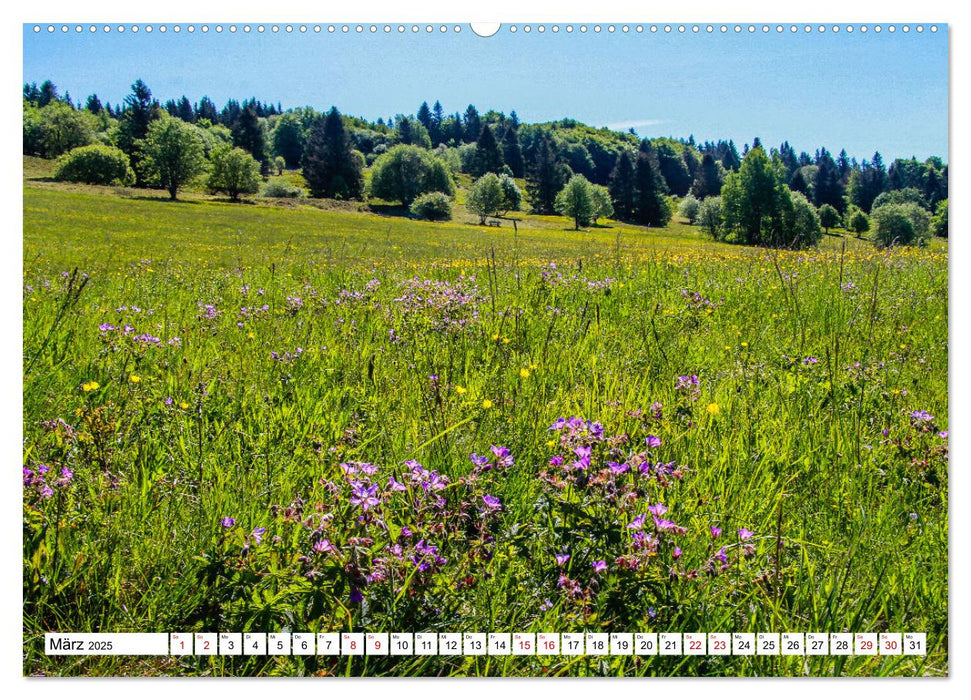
<point x="390" y="210"/>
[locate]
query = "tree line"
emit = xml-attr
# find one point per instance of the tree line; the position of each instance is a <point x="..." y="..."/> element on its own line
<point x="412" y="155"/>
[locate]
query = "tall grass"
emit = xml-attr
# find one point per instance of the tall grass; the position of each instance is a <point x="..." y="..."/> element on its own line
<point x="385" y="341"/>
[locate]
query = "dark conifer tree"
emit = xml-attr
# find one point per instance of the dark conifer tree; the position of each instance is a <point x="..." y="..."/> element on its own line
<point x="787" y="155"/>
<point x="708" y="182"/>
<point x="185" y="111"/>
<point x="31" y="93"/>
<point x="438" y="121"/>
<point x="545" y="176"/>
<point x="488" y="157"/>
<point x="47" y="94"/>
<point x="512" y="152"/>
<point x="731" y="159"/>
<point x="844" y="167"/>
<point x="206" y="109"/>
<point x="623" y="190"/>
<point x="230" y="114"/>
<point x="329" y="166"/>
<point x="93" y="105"/>
<point x="651" y="208"/>
<point x="798" y="183"/>
<point x="673" y="170"/>
<point x="248" y="134"/>
<point x="472" y="124"/>
<point x="288" y="140"/>
<point x="139" y="111"/>
<point x="425" y="116"/>
<point x="827" y="185"/>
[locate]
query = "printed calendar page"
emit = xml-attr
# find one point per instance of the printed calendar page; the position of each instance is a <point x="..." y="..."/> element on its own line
<point x="525" y="349"/>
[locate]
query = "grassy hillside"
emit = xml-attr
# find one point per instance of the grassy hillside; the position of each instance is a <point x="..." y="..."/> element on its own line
<point x="270" y="417"/>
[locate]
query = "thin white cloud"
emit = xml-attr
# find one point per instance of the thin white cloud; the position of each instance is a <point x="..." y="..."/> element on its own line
<point x="634" y="124"/>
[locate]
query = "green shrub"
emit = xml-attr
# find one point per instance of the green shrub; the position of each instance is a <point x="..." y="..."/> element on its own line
<point x="900" y="224"/>
<point x="859" y="222"/>
<point x="95" y="165"/>
<point x="939" y="222"/>
<point x="909" y="195"/>
<point x="689" y="209"/>
<point x="281" y="189"/>
<point x="801" y="221"/>
<point x="710" y="217"/>
<point x="828" y="217"/>
<point x="234" y="171"/>
<point x="433" y="206"/>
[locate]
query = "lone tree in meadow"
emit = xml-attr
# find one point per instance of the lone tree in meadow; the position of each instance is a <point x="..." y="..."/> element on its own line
<point x="330" y="167"/>
<point x="602" y="206"/>
<point x="576" y="201"/>
<point x="172" y="154"/>
<point x="234" y="171"/>
<point x="493" y="195"/>
<point x="828" y="217"/>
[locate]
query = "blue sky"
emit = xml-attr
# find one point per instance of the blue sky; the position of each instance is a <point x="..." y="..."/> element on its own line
<point x="862" y="92"/>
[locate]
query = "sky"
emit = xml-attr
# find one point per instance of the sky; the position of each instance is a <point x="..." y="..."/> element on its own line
<point x="862" y="92"/>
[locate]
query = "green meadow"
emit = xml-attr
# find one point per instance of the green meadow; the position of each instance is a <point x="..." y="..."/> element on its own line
<point x="283" y="416"/>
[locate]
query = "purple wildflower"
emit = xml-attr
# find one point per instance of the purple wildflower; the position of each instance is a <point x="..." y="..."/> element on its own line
<point x="227" y="522"/>
<point x="599" y="566"/>
<point x="492" y="503"/>
<point x="618" y="468"/>
<point x="658" y="509"/>
<point x="744" y="534"/>
<point x="664" y="525"/>
<point x="653" y="441"/>
<point x="562" y="559"/>
<point x="715" y="532"/>
<point x="258" y="533"/>
<point x="364" y="495"/>
<point x="503" y="457"/>
<point x="481" y="462"/>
